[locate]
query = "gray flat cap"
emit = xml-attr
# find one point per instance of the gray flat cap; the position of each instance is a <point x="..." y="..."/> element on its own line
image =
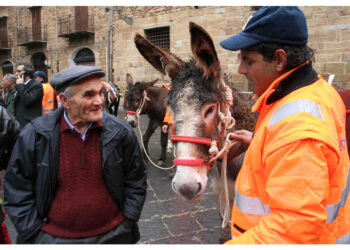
<point x="61" y="80"/>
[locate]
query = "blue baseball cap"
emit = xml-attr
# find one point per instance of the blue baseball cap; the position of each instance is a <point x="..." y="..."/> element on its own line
<point x="40" y="73"/>
<point x="271" y="24"/>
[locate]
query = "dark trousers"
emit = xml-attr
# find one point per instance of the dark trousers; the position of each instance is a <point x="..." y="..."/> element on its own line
<point x="124" y="233"/>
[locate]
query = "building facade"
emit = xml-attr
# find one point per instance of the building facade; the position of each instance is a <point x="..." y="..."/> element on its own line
<point x="53" y="38"/>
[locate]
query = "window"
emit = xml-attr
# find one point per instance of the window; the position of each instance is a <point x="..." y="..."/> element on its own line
<point x="85" y="56"/>
<point x="3" y="32"/>
<point x="159" y="36"/>
<point x="36" y="22"/>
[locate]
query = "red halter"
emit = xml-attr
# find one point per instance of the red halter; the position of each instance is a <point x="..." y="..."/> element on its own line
<point x="130" y="113"/>
<point x="197" y="140"/>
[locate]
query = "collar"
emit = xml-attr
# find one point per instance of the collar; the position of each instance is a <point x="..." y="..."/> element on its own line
<point x="68" y="125"/>
<point x="294" y="79"/>
<point x="27" y="82"/>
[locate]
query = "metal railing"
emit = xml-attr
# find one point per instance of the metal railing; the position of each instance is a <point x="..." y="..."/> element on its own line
<point x="31" y="34"/>
<point x="75" y="24"/>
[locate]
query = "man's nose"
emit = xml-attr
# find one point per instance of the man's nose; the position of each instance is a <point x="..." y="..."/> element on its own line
<point x="99" y="100"/>
<point x="242" y="69"/>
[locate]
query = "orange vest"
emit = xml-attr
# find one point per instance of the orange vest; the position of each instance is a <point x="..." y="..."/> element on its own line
<point x="48" y="98"/>
<point x="294" y="183"/>
<point x="168" y="118"/>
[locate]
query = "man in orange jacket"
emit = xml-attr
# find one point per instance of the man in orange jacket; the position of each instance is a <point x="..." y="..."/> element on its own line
<point x="294" y="183"/>
<point x="50" y="97"/>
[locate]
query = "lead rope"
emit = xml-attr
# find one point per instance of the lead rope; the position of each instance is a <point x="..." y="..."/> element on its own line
<point x="227" y="122"/>
<point x="138" y="112"/>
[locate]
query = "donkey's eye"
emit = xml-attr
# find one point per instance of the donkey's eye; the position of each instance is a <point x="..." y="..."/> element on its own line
<point x="209" y="111"/>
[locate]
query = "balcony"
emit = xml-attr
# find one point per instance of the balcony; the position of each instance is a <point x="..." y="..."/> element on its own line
<point x="32" y="36"/>
<point x="76" y="26"/>
<point x="4" y="45"/>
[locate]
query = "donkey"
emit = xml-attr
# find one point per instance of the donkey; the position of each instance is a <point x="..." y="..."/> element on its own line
<point x="196" y="100"/>
<point x="144" y="98"/>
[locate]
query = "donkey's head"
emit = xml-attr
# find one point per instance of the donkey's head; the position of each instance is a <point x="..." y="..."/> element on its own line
<point x="135" y="98"/>
<point x="195" y="99"/>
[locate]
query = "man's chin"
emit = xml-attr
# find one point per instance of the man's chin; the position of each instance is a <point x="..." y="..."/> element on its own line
<point x="95" y="116"/>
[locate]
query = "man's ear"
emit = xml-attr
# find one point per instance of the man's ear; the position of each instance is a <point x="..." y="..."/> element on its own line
<point x="281" y="60"/>
<point x="64" y="100"/>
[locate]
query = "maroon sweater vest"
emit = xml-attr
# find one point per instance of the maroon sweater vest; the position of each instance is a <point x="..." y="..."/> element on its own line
<point x="82" y="206"/>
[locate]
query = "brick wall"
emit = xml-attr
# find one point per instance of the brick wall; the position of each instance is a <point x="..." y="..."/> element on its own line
<point x="329" y="35"/>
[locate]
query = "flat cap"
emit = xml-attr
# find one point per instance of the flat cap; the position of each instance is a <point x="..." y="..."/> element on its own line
<point x="73" y="74"/>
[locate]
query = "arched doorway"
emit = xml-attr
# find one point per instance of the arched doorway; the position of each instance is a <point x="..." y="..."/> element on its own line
<point x="38" y="61"/>
<point x="7" y="68"/>
<point x="84" y="56"/>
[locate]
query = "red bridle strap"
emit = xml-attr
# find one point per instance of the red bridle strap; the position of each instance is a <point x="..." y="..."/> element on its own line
<point x="348" y="111"/>
<point x="197" y="140"/>
<point x="131" y="113"/>
<point x="188" y="162"/>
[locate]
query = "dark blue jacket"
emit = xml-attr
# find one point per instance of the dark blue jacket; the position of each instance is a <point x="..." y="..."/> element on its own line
<point x="28" y="101"/>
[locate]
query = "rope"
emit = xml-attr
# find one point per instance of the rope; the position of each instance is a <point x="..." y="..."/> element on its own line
<point x="143" y="146"/>
<point x="226" y="124"/>
<point x="137" y="114"/>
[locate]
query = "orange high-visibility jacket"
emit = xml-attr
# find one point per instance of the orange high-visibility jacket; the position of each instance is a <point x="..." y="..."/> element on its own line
<point x="294" y="183"/>
<point x="168" y="118"/>
<point x="48" y="98"/>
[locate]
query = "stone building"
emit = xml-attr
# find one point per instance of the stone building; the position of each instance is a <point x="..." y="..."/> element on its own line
<point x="53" y="38"/>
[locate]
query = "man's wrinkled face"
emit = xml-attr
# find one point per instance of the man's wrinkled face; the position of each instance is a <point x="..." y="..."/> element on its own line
<point x="86" y="104"/>
<point x="258" y="72"/>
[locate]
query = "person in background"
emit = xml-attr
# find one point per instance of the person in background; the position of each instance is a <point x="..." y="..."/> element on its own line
<point x="167" y="122"/>
<point x="50" y="97"/>
<point x="9" y="82"/>
<point x="2" y="103"/>
<point x="76" y="175"/>
<point x="9" y="130"/>
<point x="28" y="101"/>
<point x="294" y="183"/>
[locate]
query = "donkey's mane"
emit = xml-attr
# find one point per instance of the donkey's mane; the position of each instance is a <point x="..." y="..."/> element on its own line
<point x="204" y="91"/>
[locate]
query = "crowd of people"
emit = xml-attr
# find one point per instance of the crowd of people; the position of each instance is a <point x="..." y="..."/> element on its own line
<point x="76" y="174"/>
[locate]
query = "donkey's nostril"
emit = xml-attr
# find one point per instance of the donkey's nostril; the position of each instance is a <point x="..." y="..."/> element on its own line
<point x="199" y="188"/>
<point x="174" y="187"/>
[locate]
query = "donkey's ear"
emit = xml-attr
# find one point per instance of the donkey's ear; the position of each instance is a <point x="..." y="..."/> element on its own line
<point x="161" y="59"/>
<point x="129" y="80"/>
<point x="151" y="83"/>
<point x="203" y="51"/>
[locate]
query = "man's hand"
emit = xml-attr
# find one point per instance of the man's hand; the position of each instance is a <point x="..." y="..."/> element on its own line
<point x="243" y="136"/>
<point x="20" y="79"/>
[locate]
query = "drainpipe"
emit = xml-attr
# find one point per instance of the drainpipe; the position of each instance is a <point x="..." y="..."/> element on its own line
<point x="57" y="61"/>
<point x="111" y="47"/>
<point x="109" y="43"/>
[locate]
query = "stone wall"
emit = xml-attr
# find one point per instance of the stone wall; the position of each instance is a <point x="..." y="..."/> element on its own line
<point x="329" y="35"/>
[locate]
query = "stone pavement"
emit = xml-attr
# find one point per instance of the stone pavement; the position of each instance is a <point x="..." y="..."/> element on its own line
<point x="166" y="218"/>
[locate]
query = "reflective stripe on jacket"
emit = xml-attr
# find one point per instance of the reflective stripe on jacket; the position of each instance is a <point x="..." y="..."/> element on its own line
<point x="48" y="98"/>
<point x="294" y="183"/>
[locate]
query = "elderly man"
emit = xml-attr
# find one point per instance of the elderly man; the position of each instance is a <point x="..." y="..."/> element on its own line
<point x="76" y="175"/>
<point x="9" y="82"/>
<point x="294" y="183"/>
<point x="29" y="94"/>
